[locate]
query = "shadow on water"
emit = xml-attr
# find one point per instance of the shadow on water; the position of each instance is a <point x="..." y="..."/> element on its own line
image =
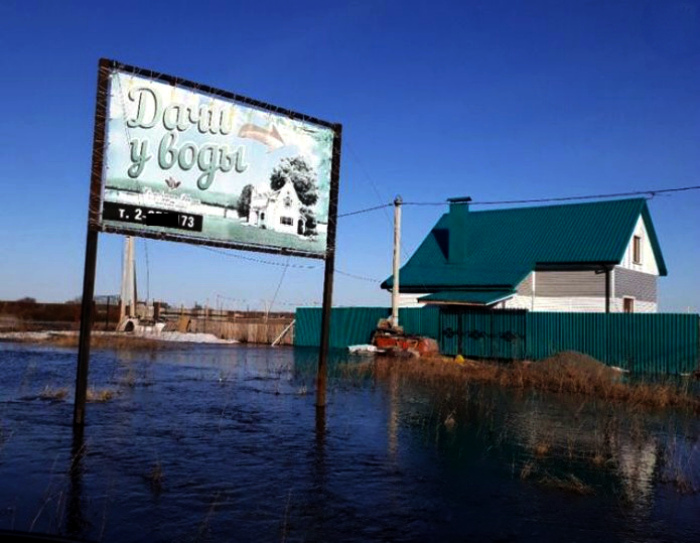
<point x="221" y="444"/>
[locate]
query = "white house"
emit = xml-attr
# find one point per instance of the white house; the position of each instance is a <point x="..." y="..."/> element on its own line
<point x="278" y="210"/>
<point x="590" y="257"/>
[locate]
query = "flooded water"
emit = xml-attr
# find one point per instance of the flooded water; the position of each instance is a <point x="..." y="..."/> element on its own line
<point x="225" y="444"/>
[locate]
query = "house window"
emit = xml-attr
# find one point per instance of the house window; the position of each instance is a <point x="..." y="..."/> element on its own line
<point x="628" y="305"/>
<point x="637" y="249"/>
<point x="286" y="220"/>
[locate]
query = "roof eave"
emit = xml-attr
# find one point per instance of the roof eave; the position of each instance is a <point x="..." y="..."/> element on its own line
<point x="423" y="288"/>
<point x="654" y="240"/>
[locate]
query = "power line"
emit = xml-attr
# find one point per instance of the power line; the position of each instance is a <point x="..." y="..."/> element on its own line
<point x="259" y="260"/>
<point x="374" y="186"/>
<point x="286" y="265"/>
<point x="279" y="285"/>
<point x="360" y="277"/>
<point x="650" y="193"/>
<point x="366" y="210"/>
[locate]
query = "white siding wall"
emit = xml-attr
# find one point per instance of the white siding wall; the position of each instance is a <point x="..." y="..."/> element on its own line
<point x="648" y="264"/>
<point x="583" y="304"/>
<point x="517" y="302"/>
<point x="616" y="306"/>
<point x="410" y="300"/>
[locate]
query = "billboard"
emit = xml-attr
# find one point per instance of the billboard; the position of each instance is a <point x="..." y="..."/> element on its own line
<point x="186" y="162"/>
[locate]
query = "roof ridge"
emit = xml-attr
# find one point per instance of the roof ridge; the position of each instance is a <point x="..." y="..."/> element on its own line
<point x="551" y="206"/>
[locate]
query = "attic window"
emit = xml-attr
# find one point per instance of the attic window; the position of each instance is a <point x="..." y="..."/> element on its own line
<point x="637" y="249"/>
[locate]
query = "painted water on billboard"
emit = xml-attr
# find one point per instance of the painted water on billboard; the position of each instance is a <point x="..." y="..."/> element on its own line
<point x="189" y="164"/>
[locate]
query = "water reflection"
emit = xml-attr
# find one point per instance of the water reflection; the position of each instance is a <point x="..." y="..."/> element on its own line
<point x="574" y="445"/>
<point x="393" y="418"/>
<point x="244" y="452"/>
<point x="320" y="450"/>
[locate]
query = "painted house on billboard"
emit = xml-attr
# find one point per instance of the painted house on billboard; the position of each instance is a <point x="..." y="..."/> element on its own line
<point x="590" y="257"/>
<point x="278" y="210"/>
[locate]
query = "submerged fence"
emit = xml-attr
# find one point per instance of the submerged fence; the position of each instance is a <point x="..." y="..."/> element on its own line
<point x="641" y="343"/>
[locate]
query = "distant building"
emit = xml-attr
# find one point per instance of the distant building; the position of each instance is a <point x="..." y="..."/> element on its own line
<point x="278" y="210"/>
<point x="579" y="257"/>
<point x="104" y="299"/>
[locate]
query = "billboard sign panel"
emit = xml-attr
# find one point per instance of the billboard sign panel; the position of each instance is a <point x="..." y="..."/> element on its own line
<point x="187" y="162"/>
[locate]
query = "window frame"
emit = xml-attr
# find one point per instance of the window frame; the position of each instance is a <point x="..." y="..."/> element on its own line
<point x="636" y="249"/>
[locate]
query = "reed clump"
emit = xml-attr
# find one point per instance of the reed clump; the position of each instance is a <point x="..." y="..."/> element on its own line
<point x="542" y="448"/>
<point x="156" y="477"/>
<point x="53" y="394"/>
<point x="569" y="483"/>
<point x="100" y="395"/>
<point x="569" y="372"/>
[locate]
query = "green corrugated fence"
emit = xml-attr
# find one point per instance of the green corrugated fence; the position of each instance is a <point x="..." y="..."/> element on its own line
<point x="641" y="343"/>
<point x="349" y="325"/>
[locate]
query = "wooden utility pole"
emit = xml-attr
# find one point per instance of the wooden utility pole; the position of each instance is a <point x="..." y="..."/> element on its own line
<point x="397" y="262"/>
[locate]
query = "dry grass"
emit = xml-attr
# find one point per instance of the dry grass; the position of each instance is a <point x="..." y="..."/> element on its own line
<point x="129" y="380"/>
<point x="100" y="395"/>
<point x="156" y="477"/>
<point x="598" y="459"/>
<point x="118" y="342"/>
<point x="527" y="470"/>
<point x="54" y="394"/>
<point x="570" y="483"/>
<point x="570" y="373"/>
<point x="542" y="449"/>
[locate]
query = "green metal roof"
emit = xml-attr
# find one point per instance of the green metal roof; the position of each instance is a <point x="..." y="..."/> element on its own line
<point x="477" y="297"/>
<point x="499" y="248"/>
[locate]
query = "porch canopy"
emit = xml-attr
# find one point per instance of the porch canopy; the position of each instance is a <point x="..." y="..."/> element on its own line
<point x="467" y="297"/>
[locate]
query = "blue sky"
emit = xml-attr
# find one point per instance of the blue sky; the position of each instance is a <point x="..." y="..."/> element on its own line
<point x="494" y="99"/>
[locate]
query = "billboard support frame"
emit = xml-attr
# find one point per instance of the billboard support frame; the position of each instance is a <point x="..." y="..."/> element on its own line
<point x="95" y="226"/>
<point x="328" y="272"/>
<point x="86" y="305"/>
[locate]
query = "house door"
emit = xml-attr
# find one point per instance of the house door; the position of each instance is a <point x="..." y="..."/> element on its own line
<point x="628" y="305"/>
<point x="300" y="227"/>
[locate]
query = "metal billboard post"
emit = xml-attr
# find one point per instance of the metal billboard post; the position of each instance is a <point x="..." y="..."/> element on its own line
<point x="329" y="269"/>
<point x="86" y="306"/>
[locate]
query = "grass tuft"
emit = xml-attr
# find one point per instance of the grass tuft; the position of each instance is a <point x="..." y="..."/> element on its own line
<point x="527" y="470"/>
<point x="53" y="394"/>
<point x="100" y="395"/>
<point x="570" y="483"/>
<point x="542" y="449"/>
<point x="156" y="477"/>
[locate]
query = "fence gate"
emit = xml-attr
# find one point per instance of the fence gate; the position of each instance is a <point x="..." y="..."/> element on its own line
<point x="483" y="333"/>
